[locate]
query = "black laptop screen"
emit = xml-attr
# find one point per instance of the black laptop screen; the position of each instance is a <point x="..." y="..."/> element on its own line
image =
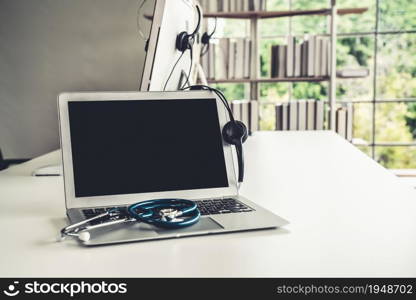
<point x="126" y="147"/>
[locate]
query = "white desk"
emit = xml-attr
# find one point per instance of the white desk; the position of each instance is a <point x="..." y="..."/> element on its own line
<point x="349" y="217"/>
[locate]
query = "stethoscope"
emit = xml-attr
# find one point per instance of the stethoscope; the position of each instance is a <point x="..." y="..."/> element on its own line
<point x="163" y="213"/>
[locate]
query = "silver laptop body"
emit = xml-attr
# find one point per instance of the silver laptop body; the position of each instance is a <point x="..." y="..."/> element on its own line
<point x="96" y="181"/>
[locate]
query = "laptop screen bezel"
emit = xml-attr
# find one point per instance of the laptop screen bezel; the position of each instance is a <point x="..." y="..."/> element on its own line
<point x="125" y="199"/>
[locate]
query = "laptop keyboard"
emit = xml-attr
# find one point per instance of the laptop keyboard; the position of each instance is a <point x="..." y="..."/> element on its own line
<point x="221" y="206"/>
<point x="206" y="207"/>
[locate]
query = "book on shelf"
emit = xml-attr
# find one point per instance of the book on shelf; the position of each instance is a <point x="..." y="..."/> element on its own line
<point x="350" y="123"/>
<point x="319" y="115"/>
<point x="318" y="56"/>
<point x="239" y="59"/>
<point x="285" y="116"/>
<point x="254" y="116"/>
<point x="211" y="60"/>
<point x="246" y="5"/>
<point x="302" y="114"/>
<point x="344" y="121"/>
<point x="212" y="6"/>
<point x="341" y="121"/>
<point x="233" y="5"/>
<point x="282" y="59"/>
<point x="260" y="5"/>
<point x="247" y="58"/>
<point x="297" y="61"/>
<point x="245" y="113"/>
<point x="231" y="61"/>
<point x="290" y="52"/>
<point x="353" y="73"/>
<point x="236" y="108"/>
<point x="239" y="5"/>
<point x="293" y="115"/>
<point x="279" y="116"/>
<point x="205" y="65"/>
<point x="273" y="61"/>
<point x="224" y="5"/>
<point x="310" y="110"/>
<point x="228" y="59"/>
<point x="307" y="59"/>
<point x="310" y="57"/>
<point x="222" y="56"/>
<point x="303" y="56"/>
<point x="324" y="66"/>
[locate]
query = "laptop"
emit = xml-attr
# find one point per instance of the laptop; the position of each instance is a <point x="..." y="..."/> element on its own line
<point x="119" y="148"/>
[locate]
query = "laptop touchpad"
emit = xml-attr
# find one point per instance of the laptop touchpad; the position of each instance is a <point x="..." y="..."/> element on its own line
<point x="205" y="224"/>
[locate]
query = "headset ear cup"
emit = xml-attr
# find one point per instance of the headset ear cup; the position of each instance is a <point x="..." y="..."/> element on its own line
<point x="205" y="38"/>
<point x="234" y="132"/>
<point x="244" y="129"/>
<point x="182" y="41"/>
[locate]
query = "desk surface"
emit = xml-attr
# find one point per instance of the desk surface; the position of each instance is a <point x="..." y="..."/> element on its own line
<point x="349" y="217"/>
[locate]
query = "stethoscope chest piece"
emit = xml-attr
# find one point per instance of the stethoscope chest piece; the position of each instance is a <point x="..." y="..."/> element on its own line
<point x="165" y="213"/>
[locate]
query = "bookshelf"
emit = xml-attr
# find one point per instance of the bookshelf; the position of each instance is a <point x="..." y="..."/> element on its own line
<point x="280" y="14"/>
<point x="255" y="79"/>
<point x="267" y="80"/>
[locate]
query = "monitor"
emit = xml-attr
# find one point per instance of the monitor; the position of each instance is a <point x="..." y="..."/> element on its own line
<point x="170" y="18"/>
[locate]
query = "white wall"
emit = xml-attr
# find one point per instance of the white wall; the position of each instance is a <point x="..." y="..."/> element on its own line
<point x="50" y="46"/>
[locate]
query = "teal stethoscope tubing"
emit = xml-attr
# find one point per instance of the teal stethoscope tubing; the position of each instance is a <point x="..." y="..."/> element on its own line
<point x="147" y="212"/>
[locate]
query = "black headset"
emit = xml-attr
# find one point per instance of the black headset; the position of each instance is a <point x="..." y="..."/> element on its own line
<point x="234" y="132"/>
<point x="206" y="38"/>
<point x="185" y="40"/>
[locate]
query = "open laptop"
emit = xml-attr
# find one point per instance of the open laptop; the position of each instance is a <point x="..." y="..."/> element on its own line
<point x="119" y="148"/>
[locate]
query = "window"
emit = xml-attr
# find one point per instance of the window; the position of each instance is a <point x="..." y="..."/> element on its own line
<point x="382" y="40"/>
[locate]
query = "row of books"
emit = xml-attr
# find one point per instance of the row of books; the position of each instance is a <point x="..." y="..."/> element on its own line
<point x="344" y="121"/>
<point x="311" y="58"/>
<point x="300" y="115"/>
<point x="232" y="5"/>
<point x="246" y="112"/>
<point x="310" y="115"/>
<point x="228" y="59"/>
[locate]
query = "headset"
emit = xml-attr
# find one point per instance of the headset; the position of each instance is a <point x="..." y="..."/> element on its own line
<point x="185" y="40"/>
<point x="206" y="38"/>
<point x="234" y="132"/>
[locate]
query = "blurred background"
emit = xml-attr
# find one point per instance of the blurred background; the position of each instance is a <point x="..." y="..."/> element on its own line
<point x="50" y="46"/>
<point x="382" y="40"/>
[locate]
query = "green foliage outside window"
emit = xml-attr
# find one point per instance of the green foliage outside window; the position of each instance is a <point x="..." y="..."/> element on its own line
<point x="395" y="66"/>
